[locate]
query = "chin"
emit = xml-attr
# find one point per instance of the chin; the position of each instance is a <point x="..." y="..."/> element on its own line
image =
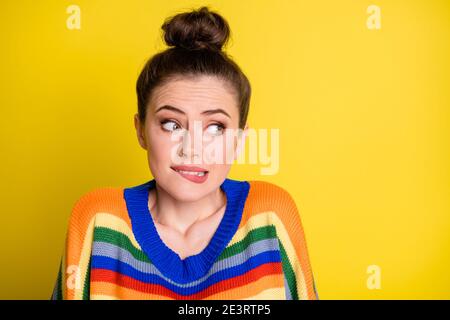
<point x="187" y="193"/>
<point x="181" y="190"/>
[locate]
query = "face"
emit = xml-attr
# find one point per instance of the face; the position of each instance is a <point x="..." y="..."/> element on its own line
<point x="190" y="134"/>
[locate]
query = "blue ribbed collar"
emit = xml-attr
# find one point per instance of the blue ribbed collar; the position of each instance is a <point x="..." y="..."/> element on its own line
<point x="165" y="259"/>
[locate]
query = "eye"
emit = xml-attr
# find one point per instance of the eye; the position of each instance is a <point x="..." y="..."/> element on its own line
<point x="215" y="129"/>
<point x="170" y="125"/>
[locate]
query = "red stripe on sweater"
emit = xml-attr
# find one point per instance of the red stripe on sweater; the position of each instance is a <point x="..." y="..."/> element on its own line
<point x="227" y="284"/>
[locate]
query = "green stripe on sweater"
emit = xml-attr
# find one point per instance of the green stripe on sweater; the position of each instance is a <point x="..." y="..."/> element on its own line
<point x="254" y="235"/>
<point x="288" y="272"/>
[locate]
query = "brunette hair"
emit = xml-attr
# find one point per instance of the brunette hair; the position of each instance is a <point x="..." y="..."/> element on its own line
<point x="195" y="39"/>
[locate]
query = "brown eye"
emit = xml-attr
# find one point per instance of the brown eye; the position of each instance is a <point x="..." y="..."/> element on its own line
<point x="170" y="125"/>
<point x="215" y="129"/>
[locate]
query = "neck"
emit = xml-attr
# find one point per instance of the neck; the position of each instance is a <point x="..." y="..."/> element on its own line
<point x="181" y="215"/>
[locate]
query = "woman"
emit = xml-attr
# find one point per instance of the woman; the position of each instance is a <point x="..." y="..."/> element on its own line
<point x="190" y="232"/>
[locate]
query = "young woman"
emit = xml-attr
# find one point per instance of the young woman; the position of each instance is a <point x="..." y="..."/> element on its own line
<point x="190" y="232"/>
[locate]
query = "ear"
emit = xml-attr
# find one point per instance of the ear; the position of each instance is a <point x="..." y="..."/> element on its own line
<point x="140" y="131"/>
<point x="241" y="141"/>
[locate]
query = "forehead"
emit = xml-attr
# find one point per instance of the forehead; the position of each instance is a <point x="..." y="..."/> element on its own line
<point x="194" y="94"/>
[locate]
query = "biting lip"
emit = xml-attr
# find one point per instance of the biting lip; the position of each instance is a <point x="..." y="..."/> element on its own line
<point x="188" y="168"/>
<point x="191" y="173"/>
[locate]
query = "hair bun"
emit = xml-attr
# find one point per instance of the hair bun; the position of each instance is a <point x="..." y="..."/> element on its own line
<point x="198" y="29"/>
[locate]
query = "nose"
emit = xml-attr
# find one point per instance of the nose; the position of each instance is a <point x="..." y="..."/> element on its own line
<point x="192" y="142"/>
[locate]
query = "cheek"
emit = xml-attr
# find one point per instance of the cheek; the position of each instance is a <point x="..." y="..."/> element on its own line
<point x="160" y="146"/>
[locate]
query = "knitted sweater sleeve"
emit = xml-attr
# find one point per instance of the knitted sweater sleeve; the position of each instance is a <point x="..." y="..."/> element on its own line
<point x="72" y="281"/>
<point x="295" y="257"/>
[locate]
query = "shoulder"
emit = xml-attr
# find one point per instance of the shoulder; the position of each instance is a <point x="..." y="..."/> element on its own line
<point x="270" y="197"/>
<point x="278" y="205"/>
<point x="104" y="199"/>
<point x="99" y="197"/>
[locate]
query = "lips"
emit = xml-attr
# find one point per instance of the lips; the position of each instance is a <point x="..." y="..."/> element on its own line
<point x="189" y="169"/>
<point x="191" y="173"/>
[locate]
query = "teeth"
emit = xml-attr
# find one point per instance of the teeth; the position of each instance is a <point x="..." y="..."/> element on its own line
<point x="192" y="173"/>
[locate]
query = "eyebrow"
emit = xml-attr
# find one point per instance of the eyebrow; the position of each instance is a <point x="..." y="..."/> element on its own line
<point x="206" y="112"/>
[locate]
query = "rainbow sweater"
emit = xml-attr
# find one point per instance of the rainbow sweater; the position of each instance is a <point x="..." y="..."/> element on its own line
<point x="113" y="251"/>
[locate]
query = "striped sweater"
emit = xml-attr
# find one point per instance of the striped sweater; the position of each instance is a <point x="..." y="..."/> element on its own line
<point x="113" y="250"/>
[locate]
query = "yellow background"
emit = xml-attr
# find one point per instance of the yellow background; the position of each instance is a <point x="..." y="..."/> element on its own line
<point x="363" y="118"/>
